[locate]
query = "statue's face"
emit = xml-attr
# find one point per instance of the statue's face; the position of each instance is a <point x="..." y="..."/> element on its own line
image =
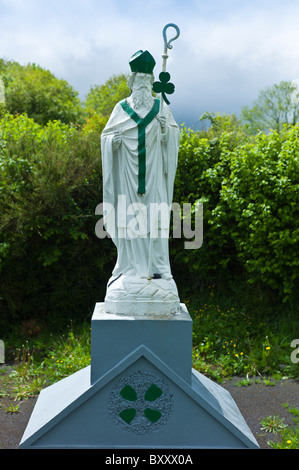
<point x="142" y="80"/>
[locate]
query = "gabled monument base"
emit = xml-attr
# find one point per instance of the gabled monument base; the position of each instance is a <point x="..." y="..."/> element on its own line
<point x="139" y="392"/>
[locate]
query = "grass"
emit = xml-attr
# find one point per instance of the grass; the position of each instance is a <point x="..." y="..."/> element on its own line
<point x="273" y="424"/>
<point x="65" y="354"/>
<point x="285" y="437"/>
<point x="12" y="408"/>
<point x="229" y="342"/>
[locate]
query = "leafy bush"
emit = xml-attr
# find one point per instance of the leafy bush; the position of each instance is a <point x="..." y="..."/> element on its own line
<point x="259" y="200"/>
<point x="249" y="187"/>
<point x="31" y="89"/>
<point x="50" y="183"/>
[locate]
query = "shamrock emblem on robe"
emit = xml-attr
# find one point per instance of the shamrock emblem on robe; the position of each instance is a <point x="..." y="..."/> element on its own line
<point x="164" y="86"/>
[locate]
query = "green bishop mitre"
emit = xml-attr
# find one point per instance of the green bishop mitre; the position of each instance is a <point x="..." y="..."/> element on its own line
<point x="142" y="62"/>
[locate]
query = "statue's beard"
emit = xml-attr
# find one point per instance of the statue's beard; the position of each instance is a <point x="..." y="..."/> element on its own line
<point x="142" y="98"/>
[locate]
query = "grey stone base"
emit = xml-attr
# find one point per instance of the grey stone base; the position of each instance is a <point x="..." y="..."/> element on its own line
<point x="113" y="337"/>
<point x="136" y="394"/>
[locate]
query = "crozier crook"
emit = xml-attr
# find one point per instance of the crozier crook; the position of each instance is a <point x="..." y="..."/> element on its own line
<point x="167" y="44"/>
<point x="163" y="87"/>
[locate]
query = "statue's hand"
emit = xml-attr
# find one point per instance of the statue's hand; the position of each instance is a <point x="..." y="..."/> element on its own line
<point x="162" y="121"/>
<point x="117" y="139"/>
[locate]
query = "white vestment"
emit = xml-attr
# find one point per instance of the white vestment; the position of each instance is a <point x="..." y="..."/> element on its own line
<point x="120" y="178"/>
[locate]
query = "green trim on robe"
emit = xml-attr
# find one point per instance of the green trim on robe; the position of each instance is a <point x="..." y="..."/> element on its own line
<point x="141" y="123"/>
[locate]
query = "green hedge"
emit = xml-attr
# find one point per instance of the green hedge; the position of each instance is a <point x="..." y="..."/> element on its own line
<point x="50" y="181"/>
<point x="249" y="187"/>
<point x="53" y="265"/>
<point x="37" y="92"/>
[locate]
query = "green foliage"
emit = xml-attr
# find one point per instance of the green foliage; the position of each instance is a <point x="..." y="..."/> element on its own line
<point x="274" y="107"/>
<point x="12" y="408"/>
<point x="229" y="341"/>
<point x="285" y="437"/>
<point x="260" y="199"/>
<point x="37" y="92"/>
<point x="50" y="185"/>
<point x="68" y="354"/>
<point x="62" y="355"/>
<point x="273" y="424"/>
<point x="102" y="99"/>
<point x="249" y="190"/>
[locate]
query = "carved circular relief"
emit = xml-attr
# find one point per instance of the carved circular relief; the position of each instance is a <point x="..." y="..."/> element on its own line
<point x="141" y="402"/>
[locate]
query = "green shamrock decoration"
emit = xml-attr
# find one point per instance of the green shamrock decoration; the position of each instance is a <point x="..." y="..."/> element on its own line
<point x="152" y="393"/>
<point x="164" y="86"/>
<point x="129" y="394"/>
<point x="128" y="415"/>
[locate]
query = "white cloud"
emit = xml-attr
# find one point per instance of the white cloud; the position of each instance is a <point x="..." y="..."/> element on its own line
<point x="227" y="51"/>
<point x="229" y="59"/>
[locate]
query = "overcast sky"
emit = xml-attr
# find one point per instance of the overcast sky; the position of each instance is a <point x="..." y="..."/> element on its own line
<point x="227" y="51"/>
